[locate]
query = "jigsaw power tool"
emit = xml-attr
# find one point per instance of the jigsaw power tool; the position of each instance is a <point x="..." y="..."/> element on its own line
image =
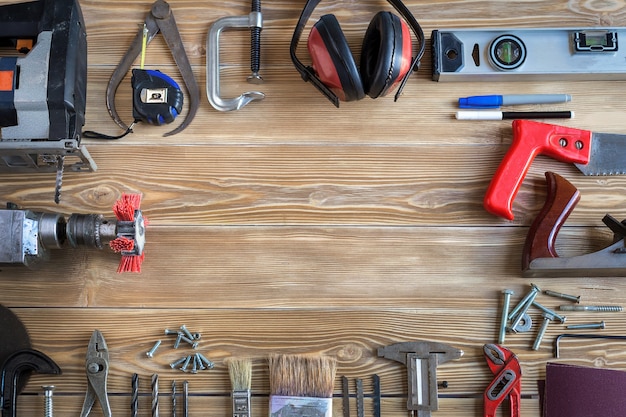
<point x="43" y="88"/>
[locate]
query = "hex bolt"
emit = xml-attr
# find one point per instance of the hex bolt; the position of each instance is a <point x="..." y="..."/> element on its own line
<point x="505" y="314"/>
<point x="48" y="405"/>
<point x="574" y="298"/>
<point x="600" y="325"/>
<point x="547" y="318"/>
<point x="531" y="294"/>
<point x="603" y="309"/>
<point x="527" y="302"/>
<point x="560" y="318"/>
<point x="151" y="352"/>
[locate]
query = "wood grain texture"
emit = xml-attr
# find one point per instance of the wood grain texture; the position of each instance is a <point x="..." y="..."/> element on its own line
<point x="291" y="226"/>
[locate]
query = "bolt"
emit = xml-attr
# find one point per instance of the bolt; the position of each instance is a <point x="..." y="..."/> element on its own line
<point x="525" y="305"/>
<point x="600" y="325"/>
<point x="194" y="369"/>
<point x="193" y="344"/>
<point x="207" y="362"/>
<point x="603" y="309"/>
<point x="178" y="362"/>
<point x="200" y="364"/>
<point x="178" y="339"/>
<point x="48" y="406"/>
<point x="547" y="318"/>
<point x="532" y="294"/>
<point x="169" y="332"/>
<point x="573" y="298"/>
<point x="505" y="314"/>
<point x="150" y="353"/>
<point x="187" y="333"/>
<point x="558" y="317"/>
<point x="186" y="364"/>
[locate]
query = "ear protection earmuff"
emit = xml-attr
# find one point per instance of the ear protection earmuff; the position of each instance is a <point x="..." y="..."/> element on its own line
<point x="385" y="55"/>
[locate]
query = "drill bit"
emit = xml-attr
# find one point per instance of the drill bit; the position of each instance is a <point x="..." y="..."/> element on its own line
<point x="174" y="398"/>
<point x="59" y="180"/>
<point x="155" y="395"/>
<point x="134" y="396"/>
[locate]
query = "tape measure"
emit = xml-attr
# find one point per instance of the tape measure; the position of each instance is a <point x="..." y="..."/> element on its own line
<point x="157" y="99"/>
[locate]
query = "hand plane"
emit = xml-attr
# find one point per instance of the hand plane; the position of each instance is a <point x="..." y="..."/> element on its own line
<point x="540" y="258"/>
<point x="43" y="88"/>
<point x="421" y="359"/>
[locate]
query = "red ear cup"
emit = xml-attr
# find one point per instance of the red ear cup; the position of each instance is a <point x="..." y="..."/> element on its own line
<point x="385" y="54"/>
<point x="332" y="59"/>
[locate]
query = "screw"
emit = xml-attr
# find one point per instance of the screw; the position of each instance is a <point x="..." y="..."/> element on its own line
<point x="442" y="384"/>
<point x="197" y="336"/>
<point x="155" y="395"/>
<point x="169" y="332"/>
<point x="525" y="305"/>
<point x="600" y="325"/>
<point x="178" y="339"/>
<point x="150" y="353"/>
<point x="186" y="364"/>
<point x="193" y="344"/>
<point x="48" y="407"/>
<point x="604" y="309"/>
<point x="200" y="364"/>
<point x="255" y="45"/>
<point x="532" y="294"/>
<point x="558" y="317"/>
<point x="178" y="362"/>
<point x="207" y="362"/>
<point x="187" y="333"/>
<point x="573" y="298"/>
<point x="547" y="318"/>
<point x="505" y="314"/>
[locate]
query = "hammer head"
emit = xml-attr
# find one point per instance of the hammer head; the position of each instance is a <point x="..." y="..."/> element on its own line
<point x="422" y="348"/>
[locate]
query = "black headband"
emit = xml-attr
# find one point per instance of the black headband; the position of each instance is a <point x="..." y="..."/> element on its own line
<point x="308" y="74"/>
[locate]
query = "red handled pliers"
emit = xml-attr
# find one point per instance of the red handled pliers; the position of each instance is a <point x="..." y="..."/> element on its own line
<point x="507" y="381"/>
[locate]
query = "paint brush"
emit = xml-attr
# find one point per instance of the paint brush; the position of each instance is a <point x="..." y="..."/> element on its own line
<point x="240" y="371"/>
<point x="301" y="385"/>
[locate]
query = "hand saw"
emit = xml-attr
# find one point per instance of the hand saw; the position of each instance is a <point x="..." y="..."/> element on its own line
<point x="592" y="153"/>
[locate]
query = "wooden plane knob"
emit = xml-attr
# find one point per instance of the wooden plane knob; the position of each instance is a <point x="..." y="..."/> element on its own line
<point x="561" y="199"/>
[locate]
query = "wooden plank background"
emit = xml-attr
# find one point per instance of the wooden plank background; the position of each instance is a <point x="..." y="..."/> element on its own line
<point x="291" y="226"/>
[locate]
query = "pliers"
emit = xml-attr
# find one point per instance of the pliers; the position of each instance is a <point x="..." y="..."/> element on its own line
<point x="507" y="381"/>
<point x="160" y="19"/>
<point x="97" y="367"/>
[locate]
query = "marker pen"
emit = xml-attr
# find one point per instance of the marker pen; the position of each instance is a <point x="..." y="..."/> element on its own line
<point x="496" y="101"/>
<point x="507" y="115"/>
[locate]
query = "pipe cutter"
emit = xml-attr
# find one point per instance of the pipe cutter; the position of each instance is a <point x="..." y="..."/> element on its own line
<point x="43" y="89"/>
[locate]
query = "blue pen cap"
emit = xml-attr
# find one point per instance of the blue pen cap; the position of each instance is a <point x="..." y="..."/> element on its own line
<point x="480" y="102"/>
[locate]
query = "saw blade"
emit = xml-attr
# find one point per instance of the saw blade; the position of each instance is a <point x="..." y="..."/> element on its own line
<point x="608" y="155"/>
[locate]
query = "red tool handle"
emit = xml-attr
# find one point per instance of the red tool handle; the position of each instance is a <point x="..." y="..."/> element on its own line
<point x="529" y="140"/>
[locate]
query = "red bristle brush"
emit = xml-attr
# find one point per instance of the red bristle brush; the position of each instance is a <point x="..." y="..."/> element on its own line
<point x="130" y="234"/>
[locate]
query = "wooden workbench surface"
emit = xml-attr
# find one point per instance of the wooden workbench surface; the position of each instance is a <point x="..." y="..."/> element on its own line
<point x="291" y="226"/>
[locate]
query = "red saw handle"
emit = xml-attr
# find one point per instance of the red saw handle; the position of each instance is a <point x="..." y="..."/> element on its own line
<point x="529" y="140"/>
